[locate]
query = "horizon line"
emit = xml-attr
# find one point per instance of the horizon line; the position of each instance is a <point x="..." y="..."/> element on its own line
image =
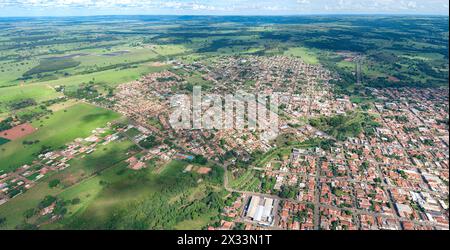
<point x="235" y="15"/>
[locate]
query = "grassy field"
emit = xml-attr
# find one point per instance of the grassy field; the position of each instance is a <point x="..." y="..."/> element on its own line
<point x="305" y="54"/>
<point x="11" y="71"/>
<point x="123" y="187"/>
<point x="110" y="77"/>
<point x="37" y="92"/>
<point x="60" y="128"/>
<point x="105" y="156"/>
<point x="195" y="224"/>
<point x="58" y="66"/>
<point x="247" y="181"/>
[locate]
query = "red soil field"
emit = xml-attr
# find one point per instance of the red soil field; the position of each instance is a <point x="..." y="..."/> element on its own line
<point x="203" y="170"/>
<point x="18" y="131"/>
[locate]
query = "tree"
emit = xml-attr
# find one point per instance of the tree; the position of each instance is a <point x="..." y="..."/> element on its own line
<point x="149" y="142"/>
<point x="239" y="226"/>
<point x="29" y="213"/>
<point x="54" y="183"/>
<point x="287" y="192"/>
<point x="199" y="159"/>
<point x="47" y="201"/>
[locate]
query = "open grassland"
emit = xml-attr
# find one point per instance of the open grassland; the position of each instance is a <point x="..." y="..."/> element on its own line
<point x="54" y="131"/>
<point x="111" y="77"/>
<point x="306" y="55"/>
<point x="117" y="57"/>
<point x="12" y="71"/>
<point x="104" y="157"/>
<point x="37" y="92"/>
<point x="56" y="66"/>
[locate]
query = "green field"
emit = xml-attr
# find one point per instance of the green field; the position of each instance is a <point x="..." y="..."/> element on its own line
<point x="111" y="77"/>
<point x="247" y="181"/>
<point x="100" y="202"/>
<point x="60" y="128"/>
<point x="306" y="55"/>
<point x="37" y="92"/>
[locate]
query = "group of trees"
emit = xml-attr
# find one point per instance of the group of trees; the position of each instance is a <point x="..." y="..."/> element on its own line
<point x="288" y="192"/>
<point x="267" y="184"/>
<point x="51" y="65"/>
<point x="2" y="221"/>
<point x="159" y="210"/>
<point x="85" y="91"/>
<point x="54" y="183"/>
<point x="43" y="150"/>
<point x="58" y="210"/>
<point x="343" y="126"/>
<point x="149" y="142"/>
<point x="23" y="103"/>
<point x="6" y="124"/>
<point x="200" y="159"/>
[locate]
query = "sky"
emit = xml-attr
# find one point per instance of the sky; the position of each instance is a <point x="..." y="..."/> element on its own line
<point x="219" y="7"/>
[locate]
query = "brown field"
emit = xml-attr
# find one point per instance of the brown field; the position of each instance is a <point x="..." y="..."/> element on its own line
<point x="203" y="170"/>
<point x="18" y="131"/>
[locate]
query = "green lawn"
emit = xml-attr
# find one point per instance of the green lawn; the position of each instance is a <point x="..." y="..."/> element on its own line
<point x="60" y="128"/>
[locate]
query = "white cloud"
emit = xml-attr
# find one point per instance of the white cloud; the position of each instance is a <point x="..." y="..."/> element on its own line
<point x="244" y="6"/>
